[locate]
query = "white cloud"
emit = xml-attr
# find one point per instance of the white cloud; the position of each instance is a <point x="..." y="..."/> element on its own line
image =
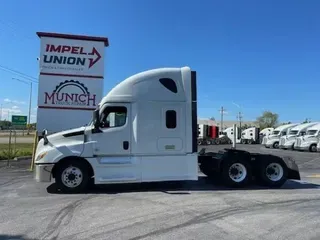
<point x="7" y="100"/>
<point x="15" y="107"/>
<point x="8" y="112"/>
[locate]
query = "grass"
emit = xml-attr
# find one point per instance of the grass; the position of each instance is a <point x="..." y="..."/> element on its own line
<point x="31" y="135"/>
<point x="17" y="150"/>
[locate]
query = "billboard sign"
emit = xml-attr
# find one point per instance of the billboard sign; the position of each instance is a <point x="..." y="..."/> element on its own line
<point x="72" y="56"/>
<point x="71" y="79"/>
<point x="18" y="120"/>
<point x="69" y="93"/>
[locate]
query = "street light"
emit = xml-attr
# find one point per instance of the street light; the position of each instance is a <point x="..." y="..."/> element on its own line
<point x="29" y="99"/>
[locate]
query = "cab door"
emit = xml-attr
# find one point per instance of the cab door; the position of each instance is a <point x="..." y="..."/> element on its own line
<point x="112" y="145"/>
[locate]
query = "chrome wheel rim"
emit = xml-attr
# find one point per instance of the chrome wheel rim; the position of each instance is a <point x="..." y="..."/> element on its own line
<point x="72" y="177"/>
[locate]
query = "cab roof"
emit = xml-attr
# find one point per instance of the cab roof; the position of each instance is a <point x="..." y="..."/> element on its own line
<point x="286" y="126"/>
<point x="162" y="84"/>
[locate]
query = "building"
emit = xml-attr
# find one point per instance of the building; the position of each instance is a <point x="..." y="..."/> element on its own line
<point x="226" y="123"/>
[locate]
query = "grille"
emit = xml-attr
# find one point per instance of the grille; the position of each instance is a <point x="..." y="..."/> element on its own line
<point x="282" y="140"/>
<point x="298" y="142"/>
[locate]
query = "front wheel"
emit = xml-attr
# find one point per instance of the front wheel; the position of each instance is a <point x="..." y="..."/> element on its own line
<point x="72" y="176"/>
<point x="313" y="148"/>
<point x="276" y="145"/>
<point x="236" y="173"/>
<point x="272" y="173"/>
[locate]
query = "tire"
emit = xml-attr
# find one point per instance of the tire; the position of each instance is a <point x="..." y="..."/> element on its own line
<point x="313" y="148"/>
<point x="72" y="172"/>
<point x="276" y="145"/>
<point x="236" y="173"/>
<point x="277" y="175"/>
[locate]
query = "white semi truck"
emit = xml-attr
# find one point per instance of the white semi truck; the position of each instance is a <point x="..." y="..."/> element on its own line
<point x="250" y="135"/>
<point x="287" y="142"/>
<point x="272" y="141"/>
<point x="229" y="132"/>
<point x="145" y="130"/>
<point x="265" y="133"/>
<point x="309" y="141"/>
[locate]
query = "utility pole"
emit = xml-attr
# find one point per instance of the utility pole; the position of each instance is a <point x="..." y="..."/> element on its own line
<point x="1" y="112"/>
<point x="240" y="119"/>
<point x="222" y="111"/>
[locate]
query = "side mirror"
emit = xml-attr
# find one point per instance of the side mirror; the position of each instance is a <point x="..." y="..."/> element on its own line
<point x="96" y="121"/>
<point x="44" y="134"/>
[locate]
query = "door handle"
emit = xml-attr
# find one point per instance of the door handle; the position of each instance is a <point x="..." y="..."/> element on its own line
<point x="125" y="145"/>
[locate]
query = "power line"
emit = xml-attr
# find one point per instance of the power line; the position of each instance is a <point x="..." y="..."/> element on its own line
<point x="30" y="78"/>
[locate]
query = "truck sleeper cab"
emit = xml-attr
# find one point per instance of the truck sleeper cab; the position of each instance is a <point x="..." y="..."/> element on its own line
<point x="250" y="135"/>
<point x="144" y="130"/>
<point x="309" y="141"/>
<point x="287" y="142"/>
<point x="274" y="139"/>
<point x="264" y="133"/>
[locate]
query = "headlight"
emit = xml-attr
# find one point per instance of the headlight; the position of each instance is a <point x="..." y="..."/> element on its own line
<point x="42" y="155"/>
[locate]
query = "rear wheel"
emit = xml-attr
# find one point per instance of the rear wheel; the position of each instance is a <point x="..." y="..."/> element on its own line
<point x="272" y="173"/>
<point x="313" y="148"/>
<point x="72" y="176"/>
<point x="236" y="173"/>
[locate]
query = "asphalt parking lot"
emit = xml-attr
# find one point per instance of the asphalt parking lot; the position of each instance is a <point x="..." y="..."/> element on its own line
<point x="186" y="210"/>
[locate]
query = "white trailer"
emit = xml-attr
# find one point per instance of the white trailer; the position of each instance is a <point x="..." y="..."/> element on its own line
<point x="250" y="135"/>
<point x="309" y="141"/>
<point x="152" y="138"/>
<point x="274" y="138"/>
<point x="287" y="142"/>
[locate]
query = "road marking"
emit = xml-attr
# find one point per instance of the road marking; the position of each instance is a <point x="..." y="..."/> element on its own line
<point x="314" y="176"/>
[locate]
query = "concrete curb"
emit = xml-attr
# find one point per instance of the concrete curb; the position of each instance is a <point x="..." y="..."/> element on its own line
<point x="23" y="158"/>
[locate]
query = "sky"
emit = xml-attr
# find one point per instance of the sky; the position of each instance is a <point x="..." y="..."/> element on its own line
<point x="250" y="56"/>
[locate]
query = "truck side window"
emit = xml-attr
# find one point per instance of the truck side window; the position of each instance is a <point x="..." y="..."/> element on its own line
<point x="171" y="119"/>
<point x="114" y="117"/>
<point x="169" y="84"/>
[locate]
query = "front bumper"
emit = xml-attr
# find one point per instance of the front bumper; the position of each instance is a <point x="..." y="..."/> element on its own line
<point x="43" y="172"/>
<point x="302" y="148"/>
<point x="286" y="146"/>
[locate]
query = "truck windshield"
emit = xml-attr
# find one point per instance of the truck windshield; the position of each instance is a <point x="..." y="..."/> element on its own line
<point x="311" y="132"/>
<point x="293" y="132"/>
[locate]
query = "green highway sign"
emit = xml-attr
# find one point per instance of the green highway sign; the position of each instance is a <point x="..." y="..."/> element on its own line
<point x="19" y="120"/>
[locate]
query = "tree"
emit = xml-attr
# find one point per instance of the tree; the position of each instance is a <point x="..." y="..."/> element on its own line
<point x="212" y="118"/>
<point x="307" y="121"/>
<point x="267" y="119"/>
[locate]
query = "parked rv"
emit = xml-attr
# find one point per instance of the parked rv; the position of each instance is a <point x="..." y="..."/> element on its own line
<point x="272" y="141"/>
<point x="287" y="142"/>
<point x="250" y="135"/>
<point x="309" y="141"/>
<point x="152" y="139"/>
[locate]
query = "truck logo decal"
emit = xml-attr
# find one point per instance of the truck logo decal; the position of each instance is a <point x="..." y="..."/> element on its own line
<point x="70" y="93"/>
<point x="55" y="54"/>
